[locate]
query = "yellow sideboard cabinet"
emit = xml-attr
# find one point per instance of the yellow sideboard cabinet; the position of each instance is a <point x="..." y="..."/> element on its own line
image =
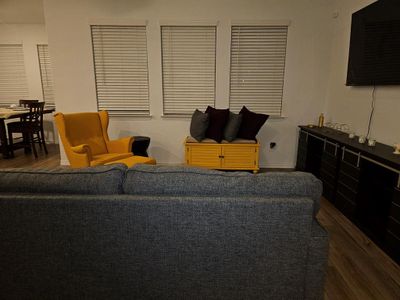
<point x="236" y="155"/>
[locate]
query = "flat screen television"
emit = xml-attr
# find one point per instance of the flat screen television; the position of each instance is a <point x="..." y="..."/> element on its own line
<point x="374" y="55"/>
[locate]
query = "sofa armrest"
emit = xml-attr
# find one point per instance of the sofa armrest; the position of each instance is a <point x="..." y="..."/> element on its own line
<point x="122" y="145"/>
<point x="317" y="262"/>
<point x="80" y="156"/>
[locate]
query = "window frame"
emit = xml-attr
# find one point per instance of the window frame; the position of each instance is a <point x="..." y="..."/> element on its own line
<point x="122" y="23"/>
<point x="13" y="98"/>
<point x="52" y="103"/>
<point x="214" y="25"/>
<point x="261" y="23"/>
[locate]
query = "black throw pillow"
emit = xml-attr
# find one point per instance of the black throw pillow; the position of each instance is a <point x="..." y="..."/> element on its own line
<point x="251" y="124"/>
<point x="232" y="127"/>
<point x="218" y="120"/>
<point x="199" y="125"/>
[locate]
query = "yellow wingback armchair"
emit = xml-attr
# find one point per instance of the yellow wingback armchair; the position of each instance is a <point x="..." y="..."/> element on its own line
<point x="86" y="142"/>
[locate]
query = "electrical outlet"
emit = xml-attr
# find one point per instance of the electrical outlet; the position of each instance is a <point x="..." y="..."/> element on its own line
<point x="272" y="145"/>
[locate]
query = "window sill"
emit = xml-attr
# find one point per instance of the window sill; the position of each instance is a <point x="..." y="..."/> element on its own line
<point x="278" y="117"/>
<point x="148" y="117"/>
<point x="189" y="116"/>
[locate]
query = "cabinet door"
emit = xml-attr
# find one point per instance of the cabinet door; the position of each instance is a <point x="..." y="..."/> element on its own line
<point x="208" y="156"/>
<point x="329" y="169"/>
<point x="302" y="151"/>
<point x="393" y="227"/>
<point x="347" y="185"/>
<point x="376" y="189"/>
<point x="315" y="147"/>
<point x="239" y="157"/>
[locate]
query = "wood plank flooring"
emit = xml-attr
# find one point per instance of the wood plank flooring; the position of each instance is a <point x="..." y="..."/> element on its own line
<point x="22" y="160"/>
<point x="357" y="268"/>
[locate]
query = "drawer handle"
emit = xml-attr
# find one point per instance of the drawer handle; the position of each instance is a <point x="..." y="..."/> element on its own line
<point x="221" y="156"/>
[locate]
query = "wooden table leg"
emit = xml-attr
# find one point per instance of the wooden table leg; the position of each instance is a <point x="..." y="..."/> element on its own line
<point x="3" y="139"/>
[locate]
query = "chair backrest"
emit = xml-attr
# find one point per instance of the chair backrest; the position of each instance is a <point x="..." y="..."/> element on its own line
<point x="82" y="128"/>
<point x="35" y="115"/>
<point x="26" y="102"/>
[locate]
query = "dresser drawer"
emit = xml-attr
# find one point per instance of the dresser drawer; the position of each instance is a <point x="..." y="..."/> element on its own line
<point x="348" y="181"/>
<point x="329" y="162"/>
<point x="327" y="177"/>
<point x="393" y="226"/>
<point x="328" y="167"/>
<point x="393" y="245"/>
<point x="328" y="191"/>
<point x="396" y="196"/>
<point x="351" y="158"/>
<point x="395" y="211"/>
<point x="347" y="192"/>
<point x="331" y="148"/>
<point x="349" y="170"/>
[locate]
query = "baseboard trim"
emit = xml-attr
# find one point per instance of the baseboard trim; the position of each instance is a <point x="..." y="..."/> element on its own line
<point x="64" y="162"/>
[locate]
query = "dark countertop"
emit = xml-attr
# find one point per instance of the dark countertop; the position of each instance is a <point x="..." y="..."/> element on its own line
<point x="380" y="152"/>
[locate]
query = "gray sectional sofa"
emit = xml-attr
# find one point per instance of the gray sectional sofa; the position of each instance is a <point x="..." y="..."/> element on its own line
<point x="154" y="232"/>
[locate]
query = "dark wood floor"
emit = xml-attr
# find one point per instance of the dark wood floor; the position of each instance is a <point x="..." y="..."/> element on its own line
<point x="22" y="160"/>
<point x="357" y="268"/>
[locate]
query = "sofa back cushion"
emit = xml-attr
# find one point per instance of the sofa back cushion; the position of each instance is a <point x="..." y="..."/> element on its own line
<point x="147" y="247"/>
<point x="189" y="181"/>
<point x="87" y="181"/>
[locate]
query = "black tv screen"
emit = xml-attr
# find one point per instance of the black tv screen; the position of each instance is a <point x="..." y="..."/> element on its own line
<point x="374" y="56"/>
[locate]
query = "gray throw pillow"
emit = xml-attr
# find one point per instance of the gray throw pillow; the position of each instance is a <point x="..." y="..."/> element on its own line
<point x="232" y="127"/>
<point x="199" y="125"/>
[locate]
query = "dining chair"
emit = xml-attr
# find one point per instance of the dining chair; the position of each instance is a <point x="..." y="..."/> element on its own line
<point x="25" y="102"/>
<point x="31" y="124"/>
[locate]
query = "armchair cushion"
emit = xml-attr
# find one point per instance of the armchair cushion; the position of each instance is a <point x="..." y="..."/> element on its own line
<point x="102" y="159"/>
<point x="134" y="160"/>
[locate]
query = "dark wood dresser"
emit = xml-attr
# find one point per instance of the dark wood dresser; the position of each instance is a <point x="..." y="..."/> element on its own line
<point x="363" y="182"/>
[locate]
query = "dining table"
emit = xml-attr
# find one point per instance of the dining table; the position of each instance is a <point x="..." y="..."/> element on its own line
<point x="7" y="113"/>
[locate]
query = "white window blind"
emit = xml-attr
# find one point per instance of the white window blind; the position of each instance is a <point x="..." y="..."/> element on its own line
<point x="257" y="68"/>
<point x="13" y="83"/>
<point x="188" y="68"/>
<point x="46" y="74"/>
<point x="120" y="59"/>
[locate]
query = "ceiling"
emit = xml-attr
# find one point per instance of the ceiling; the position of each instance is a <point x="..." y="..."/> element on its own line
<point x="21" y="11"/>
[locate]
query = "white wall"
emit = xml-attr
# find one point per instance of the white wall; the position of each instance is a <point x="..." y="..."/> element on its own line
<point x="30" y="35"/>
<point x="352" y="105"/>
<point x="307" y="65"/>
